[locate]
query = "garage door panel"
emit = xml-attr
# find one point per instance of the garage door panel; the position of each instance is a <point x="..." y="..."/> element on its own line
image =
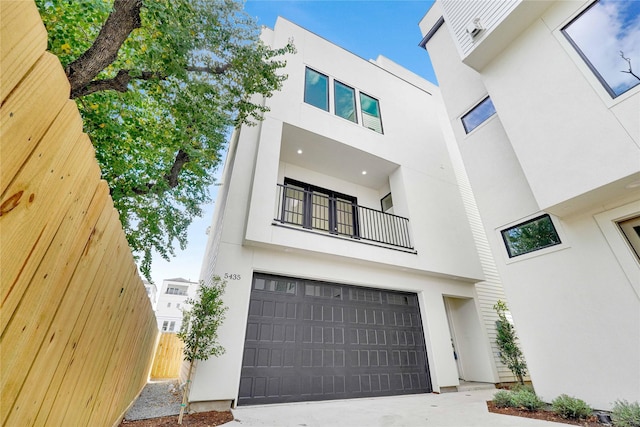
<point x="313" y="341"/>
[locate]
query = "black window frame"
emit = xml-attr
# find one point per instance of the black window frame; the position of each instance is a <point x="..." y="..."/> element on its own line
<point x="309" y="190"/>
<point x="505" y="231"/>
<point x="382" y="202"/>
<point x="327" y="89"/>
<point x="355" y="102"/>
<point x="360" y="93"/>
<point x="468" y="130"/>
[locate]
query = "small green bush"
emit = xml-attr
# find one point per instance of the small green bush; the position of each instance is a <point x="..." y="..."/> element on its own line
<point x="625" y="414"/>
<point x="570" y="407"/>
<point x="503" y="399"/>
<point x="527" y="399"/>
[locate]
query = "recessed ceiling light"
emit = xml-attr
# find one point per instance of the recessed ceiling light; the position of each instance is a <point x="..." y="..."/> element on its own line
<point x="364" y="172"/>
<point x="299" y="151"/>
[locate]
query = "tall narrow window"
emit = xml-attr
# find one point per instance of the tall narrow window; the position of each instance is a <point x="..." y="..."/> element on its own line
<point x="537" y="233"/>
<point x="478" y="115"/>
<point x="345" y="101"/>
<point x="316" y="89"/>
<point x="607" y="37"/>
<point x="370" y="113"/>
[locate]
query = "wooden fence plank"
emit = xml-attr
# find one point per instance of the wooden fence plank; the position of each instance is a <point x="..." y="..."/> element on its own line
<point x="76" y="327"/>
<point x="76" y="351"/>
<point x="25" y="332"/>
<point x="49" y="357"/>
<point x="42" y="192"/>
<point x="24" y="40"/>
<point x="168" y="358"/>
<point x="26" y="115"/>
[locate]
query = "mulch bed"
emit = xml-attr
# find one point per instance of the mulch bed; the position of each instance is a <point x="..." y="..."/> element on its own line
<point x="543" y="415"/>
<point x="199" y="419"/>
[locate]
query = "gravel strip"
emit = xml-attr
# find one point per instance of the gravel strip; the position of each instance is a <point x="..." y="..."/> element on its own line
<point x="158" y="399"/>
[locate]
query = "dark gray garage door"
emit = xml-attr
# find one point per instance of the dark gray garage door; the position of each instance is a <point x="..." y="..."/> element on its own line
<point x="309" y="340"/>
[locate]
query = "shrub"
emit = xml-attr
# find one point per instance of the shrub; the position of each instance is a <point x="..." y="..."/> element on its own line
<point x="625" y="414"/>
<point x="527" y="399"/>
<point x="570" y="407"/>
<point x="503" y="399"/>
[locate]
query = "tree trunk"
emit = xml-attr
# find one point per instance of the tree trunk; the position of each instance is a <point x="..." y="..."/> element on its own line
<point x="185" y="393"/>
<point x="124" y="18"/>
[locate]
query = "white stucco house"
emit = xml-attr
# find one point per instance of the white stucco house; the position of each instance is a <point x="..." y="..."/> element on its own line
<point x="546" y="115"/>
<point x="171" y="302"/>
<point x="355" y="265"/>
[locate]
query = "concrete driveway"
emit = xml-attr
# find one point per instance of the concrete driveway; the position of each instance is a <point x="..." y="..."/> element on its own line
<point x="462" y="409"/>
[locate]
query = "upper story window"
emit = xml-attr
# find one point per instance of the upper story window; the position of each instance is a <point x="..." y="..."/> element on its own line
<point x="607" y="37"/>
<point x="318" y="94"/>
<point x="478" y="115"/>
<point x="370" y="113"/>
<point x="316" y="89"/>
<point x="532" y="235"/>
<point x="176" y="291"/>
<point x="345" y="101"/>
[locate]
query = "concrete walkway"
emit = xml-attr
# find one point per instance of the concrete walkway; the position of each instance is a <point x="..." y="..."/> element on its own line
<point x="462" y="409"/>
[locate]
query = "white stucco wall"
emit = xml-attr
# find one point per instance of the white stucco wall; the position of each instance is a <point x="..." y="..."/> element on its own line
<point x="557" y="143"/>
<point x="420" y="177"/>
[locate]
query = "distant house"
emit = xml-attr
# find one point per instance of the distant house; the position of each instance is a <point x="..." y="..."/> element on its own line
<point x="171" y="301"/>
<point x="546" y="116"/>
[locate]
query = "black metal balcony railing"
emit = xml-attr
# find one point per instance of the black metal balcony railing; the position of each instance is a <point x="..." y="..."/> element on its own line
<point x="333" y="215"/>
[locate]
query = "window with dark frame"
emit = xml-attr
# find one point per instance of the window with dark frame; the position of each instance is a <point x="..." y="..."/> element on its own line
<point x="478" y="114"/>
<point x="345" y="101"/>
<point x="605" y="35"/>
<point x="320" y="209"/>
<point x="316" y="89"/>
<point x="386" y="203"/>
<point x="371" y="118"/>
<point x="529" y="236"/>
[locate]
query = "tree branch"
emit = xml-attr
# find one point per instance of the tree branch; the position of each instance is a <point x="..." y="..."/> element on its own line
<point x="123" y="19"/>
<point x="630" y="71"/>
<point x="119" y="83"/>
<point x="171" y="178"/>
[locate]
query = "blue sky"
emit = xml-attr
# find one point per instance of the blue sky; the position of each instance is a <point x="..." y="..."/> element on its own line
<point x="366" y="28"/>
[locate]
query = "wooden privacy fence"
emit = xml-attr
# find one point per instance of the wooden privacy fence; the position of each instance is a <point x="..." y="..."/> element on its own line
<point x="169" y="358"/>
<point x="76" y="327"/>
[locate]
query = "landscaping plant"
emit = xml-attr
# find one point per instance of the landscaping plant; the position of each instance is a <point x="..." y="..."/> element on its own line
<point x="507" y="340"/>
<point x="527" y="399"/>
<point x="570" y="407"/>
<point x="625" y="414"/>
<point x="199" y="330"/>
<point x="504" y="399"/>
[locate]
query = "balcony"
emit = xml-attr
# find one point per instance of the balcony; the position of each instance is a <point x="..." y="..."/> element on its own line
<point x="337" y="215"/>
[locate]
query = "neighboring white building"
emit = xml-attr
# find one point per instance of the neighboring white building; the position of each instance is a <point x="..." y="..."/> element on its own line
<point x="350" y="261"/>
<point x="152" y="292"/>
<point x="171" y="302"/>
<point x="547" y="121"/>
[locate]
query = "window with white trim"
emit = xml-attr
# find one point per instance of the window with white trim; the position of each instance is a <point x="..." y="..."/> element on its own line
<point x="478" y="115"/>
<point x="317" y="93"/>
<point x="529" y="236"/>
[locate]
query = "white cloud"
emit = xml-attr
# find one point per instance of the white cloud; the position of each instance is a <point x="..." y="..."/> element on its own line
<point x="602" y="32"/>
